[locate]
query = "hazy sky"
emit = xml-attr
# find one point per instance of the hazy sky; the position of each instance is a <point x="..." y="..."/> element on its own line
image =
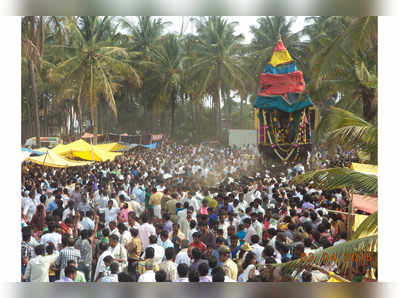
<point x="243" y="27"/>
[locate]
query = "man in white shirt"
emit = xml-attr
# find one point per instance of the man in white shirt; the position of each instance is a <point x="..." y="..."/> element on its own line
<point x="118" y="252"/>
<point x="182" y="256"/>
<point x="102" y="262"/>
<point x="29" y="207"/>
<point x="145" y="231"/>
<point x="87" y="223"/>
<point x="111" y="213"/>
<point x="257" y="248"/>
<point x="158" y="250"/>
<point x="51" y="236"/>
<point x="38" y="267"/>
<point x="149" y="275"/>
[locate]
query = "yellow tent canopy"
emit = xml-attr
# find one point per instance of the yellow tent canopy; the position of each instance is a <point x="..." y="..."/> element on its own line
<point x="51" y="159"/>
<point x="85" y="151"/>
<point x="109" y="147"/>
<point x="365" y="168"/>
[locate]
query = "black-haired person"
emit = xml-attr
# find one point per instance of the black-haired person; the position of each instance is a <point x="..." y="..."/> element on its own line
<point x="101" y="267"/>
<point x="182" y="270"/>
<point x="203" y="270"/>
<point x="148" y="258"/>
<point x="113" y="276"/>
<point x="169" y="265"/>
<point x="161" y="276"/>
<point x="70" y="275"/>
<point x="118" y="252"/>
<point x="69" y="252"/>
<point x="80" y="276"/>
<point x="37" y="269"/>
<point x="230" y="268"/>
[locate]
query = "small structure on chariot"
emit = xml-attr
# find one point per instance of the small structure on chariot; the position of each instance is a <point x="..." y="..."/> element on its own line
<point x="284" y="115"/>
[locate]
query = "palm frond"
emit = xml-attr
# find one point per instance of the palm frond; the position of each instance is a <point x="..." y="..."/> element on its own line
<point x="342" y="255"/>
<point x="328" y="179"/>
<point x="367" y="227"/>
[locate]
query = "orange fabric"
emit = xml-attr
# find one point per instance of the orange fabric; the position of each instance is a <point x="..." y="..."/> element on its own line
<point x="365" y="203"/>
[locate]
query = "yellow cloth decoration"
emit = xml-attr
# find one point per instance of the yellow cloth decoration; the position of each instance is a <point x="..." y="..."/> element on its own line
<point x="364" y="168"/>
<point x="280" y="57"/>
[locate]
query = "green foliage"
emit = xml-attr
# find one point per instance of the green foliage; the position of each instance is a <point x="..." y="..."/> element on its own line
<point x="186" y="84"/>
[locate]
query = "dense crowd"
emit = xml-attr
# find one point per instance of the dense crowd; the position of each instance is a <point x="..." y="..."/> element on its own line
<point x="179" y="214"/>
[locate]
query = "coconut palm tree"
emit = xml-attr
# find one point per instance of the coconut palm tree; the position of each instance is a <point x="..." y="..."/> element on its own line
<point x="32" y="48"/>
<point x="218" y="62"/>
<point x="166" y="63"/>
<point x="94" y="66"/>
<point x="145" y="33"/>
<point x="346" y="60"/>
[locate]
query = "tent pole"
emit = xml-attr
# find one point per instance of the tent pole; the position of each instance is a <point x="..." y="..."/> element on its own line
<point x="45" y="157"/>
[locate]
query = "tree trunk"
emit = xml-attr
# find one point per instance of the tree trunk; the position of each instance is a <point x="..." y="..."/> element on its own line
<point x="369" y="108"/>
<point x="173" y="108"/>
<point x="193" y="112"/>
<point x="35" y="102"/>
<point x="241" y="112"/>
<point x="229" y="102"/>
<point x="198" y="121"/>
<point x="46" y="117"/>
<point x="95" y="125"/>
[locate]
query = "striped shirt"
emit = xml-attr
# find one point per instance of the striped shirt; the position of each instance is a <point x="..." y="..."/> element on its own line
<point x="67" y="254"/>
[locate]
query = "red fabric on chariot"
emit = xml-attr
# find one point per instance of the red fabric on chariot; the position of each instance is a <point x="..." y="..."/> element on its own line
<point x="280" y="84"/>
<point x="280" y="46"/>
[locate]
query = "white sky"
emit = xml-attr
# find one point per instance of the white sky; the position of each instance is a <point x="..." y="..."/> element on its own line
<point x="243" y="27"/>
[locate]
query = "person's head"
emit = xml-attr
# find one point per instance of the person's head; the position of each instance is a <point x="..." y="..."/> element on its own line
<point x="224" y="253"/>
<point x="194" y="276"/>
<point x="196" y="237"/>
<point x="26" y="233"/>
<point x="306" y="276"/>
<point x="247" y="222"/>
<point x="250" y="259"/>
<point x="212" y="261"/>
<point x="231" y="231"/>
<point x="114" y="268"/>
<point x="72" y="263"/>
<point x="112" y="225"/>
<point x="255" y="239"/>
<point x="103" y="246"/>
<point x="203" y="269"/>
<point x="125" y="277"/>
<point x="110" y="204"/>
<point x="114" y="240"/>
<point x="203" y="227"/>
<point x="196" y="253"/>
<point x="192" y="224"/>
<point x="153" y="239"/>
<point x="182" y="270"/>
<point x="185" y="243"/>
<point x="108" y="260"/>
<point x="164" y="235"/>
<point x="70" y="272"/>
<point x="219" y="241"/>
<point x="161" y="276"/>
<point x="169" y="253"/>
<point x="268" y="252"/>
<point x="175" y="228"/>
<point x="218" y="274"/>
<point x="134" y="232"/>
<point x="39" y="250"/>
<point x="148" y="264"/>
<point x="149" y="253"/>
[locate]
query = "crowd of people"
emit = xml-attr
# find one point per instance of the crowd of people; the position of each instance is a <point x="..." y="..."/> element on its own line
<point x="179" y="214"/>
